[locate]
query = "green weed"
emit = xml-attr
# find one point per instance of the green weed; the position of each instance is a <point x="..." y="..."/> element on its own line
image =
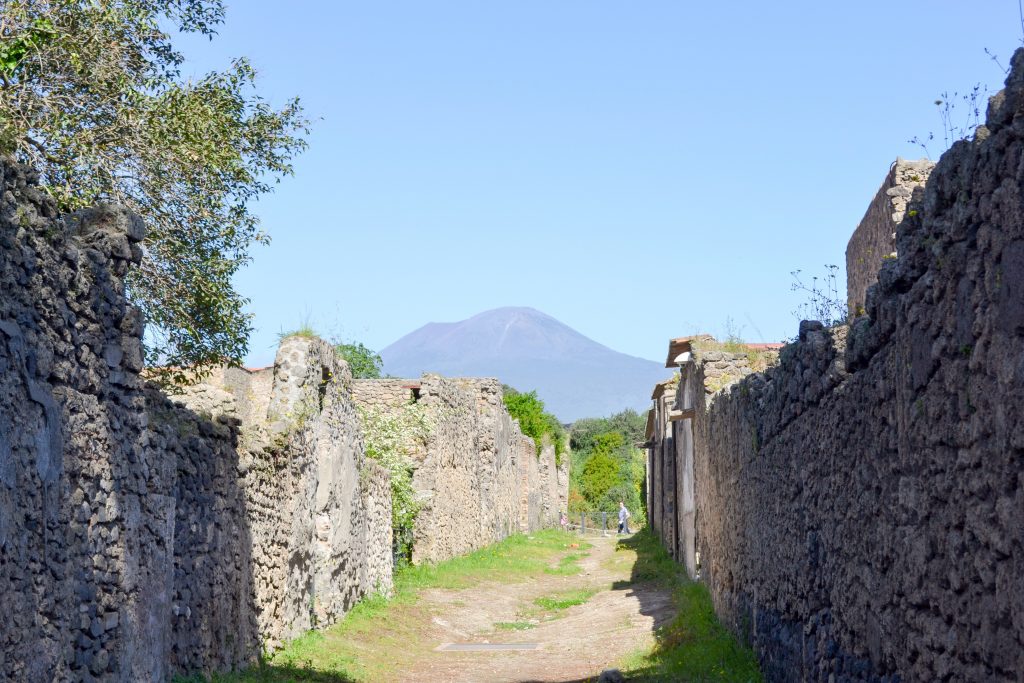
<point x="514" y="625"/>
<point x="565" y="600"/>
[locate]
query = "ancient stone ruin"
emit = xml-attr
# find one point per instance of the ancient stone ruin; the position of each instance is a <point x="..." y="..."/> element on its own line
<point x="857" y="508"/>
<point x="477" y="476"/>
<point x="143" y="534"/>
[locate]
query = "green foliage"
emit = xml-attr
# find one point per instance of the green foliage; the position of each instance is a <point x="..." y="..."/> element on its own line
<point x="607" y="467"/>
<point x="14" y="48"/>
<point x="392" y="437"/>
<point x="363" y="362"/>
<point x="600" y="474"/>
<point x="535" y="422"/>
<point x="628" y="423"/>
<point x="93" y="98"/>
<point x="565" y="600"/>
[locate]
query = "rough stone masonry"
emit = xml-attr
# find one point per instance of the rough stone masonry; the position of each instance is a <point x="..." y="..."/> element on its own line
<point x="859" y="507"/>
<point x="477" y="476"/>
<point x="144" y="535"/>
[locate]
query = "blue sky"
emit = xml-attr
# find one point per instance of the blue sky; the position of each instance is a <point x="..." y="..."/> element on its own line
<point x="637" y="170"/>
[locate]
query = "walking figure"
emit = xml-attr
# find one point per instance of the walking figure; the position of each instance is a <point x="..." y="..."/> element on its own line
<point x="623" y="518"/>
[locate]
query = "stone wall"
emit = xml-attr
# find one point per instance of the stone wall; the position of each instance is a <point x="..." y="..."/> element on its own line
<point x="874" y="240"/>
<point x="498" y="436"/>
<point x="550" y="502"/>
<point x="860" y="506"/>
<point x="300" y="462"/>
<point x="385" y="393"/>
<point x="142" y="536"/>
<point x="376" y="492"/>
<point x="446" y="480"/>
<point x="531" y="493"/>
<point x="469" y="474"/>
<point x="83" y="555"/>
<point x="563" y="482"/>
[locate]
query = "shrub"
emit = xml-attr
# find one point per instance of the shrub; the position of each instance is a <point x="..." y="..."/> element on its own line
<point x="535" y="422"/>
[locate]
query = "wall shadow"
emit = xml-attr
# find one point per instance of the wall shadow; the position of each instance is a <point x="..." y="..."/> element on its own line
<point x="276" y="673"/>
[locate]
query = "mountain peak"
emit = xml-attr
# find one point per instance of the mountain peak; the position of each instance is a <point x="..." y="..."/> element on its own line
<point x="529" y="349"/>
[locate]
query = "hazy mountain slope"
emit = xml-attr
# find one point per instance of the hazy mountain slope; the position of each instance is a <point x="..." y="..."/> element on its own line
<point x="575" y="376"/>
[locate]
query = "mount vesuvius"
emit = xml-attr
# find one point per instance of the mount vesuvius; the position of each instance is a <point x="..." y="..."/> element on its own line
<point x="574" y="376"/>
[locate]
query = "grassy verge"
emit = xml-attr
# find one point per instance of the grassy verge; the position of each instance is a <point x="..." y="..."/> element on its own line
<point x="694" y="646"/>
<point x="364" y="644"/>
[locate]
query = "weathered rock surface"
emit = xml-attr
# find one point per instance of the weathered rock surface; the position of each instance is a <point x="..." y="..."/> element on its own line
<point x="478" y="478"/>
<point x="142" y="536"/>
<point x="860" y="506"/>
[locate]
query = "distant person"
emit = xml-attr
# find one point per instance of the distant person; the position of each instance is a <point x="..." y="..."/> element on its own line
<point x="623" y="518"/>
<point x="564" y="521"/>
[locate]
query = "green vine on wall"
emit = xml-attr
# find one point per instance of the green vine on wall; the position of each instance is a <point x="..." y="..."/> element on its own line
<point x="392" y="437"/>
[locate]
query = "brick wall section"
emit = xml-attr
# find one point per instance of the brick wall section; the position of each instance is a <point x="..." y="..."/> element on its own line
<point x="446" y="481"/>
<point x="874" y="240"/>
<point x="83" y="563"/>
<point x="860" y="505"/>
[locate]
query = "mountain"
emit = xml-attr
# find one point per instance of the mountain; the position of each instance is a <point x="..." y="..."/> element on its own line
<point x="574" y="376"/>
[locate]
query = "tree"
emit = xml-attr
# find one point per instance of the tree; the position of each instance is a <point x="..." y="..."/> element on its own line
<point x="363" y="362"/>
<point x="628" y="423"/>
<point x="91" y="96"/>
<point x="607" y="467"/>
<point x="600" y="474"/>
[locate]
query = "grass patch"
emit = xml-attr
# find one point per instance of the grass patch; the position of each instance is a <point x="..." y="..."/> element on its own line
<point x="567" y="566"/>
<point x="270" y="673"/>
<point x="694" y="646"/>
<point x="362" y="646"/>
<point x="305" y="331"/>
<point x="514" y="625"/>
<point x="759" y="359"/>
<point x="565" y="600"/>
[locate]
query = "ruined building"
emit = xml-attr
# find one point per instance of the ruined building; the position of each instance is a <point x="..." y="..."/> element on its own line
<point x="857" y="508"/>
<point x="144" y="535"/>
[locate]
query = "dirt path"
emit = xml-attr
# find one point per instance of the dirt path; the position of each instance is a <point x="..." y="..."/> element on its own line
<point x="573" y="644"/>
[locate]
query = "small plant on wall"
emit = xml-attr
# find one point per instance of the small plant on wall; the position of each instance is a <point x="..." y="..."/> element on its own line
<point x="822" y="300"/>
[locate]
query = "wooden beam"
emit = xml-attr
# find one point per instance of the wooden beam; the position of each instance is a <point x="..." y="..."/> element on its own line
<point x="677" y="415"/>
